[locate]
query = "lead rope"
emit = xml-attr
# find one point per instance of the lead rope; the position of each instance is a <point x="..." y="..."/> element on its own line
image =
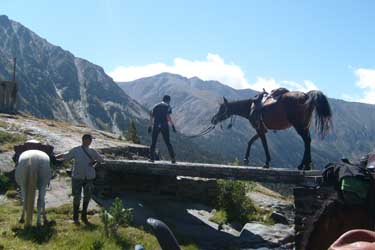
<point x="202" y="133"/>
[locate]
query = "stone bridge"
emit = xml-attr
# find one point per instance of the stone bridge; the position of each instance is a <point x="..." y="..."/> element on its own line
<point x="197" y="181"/>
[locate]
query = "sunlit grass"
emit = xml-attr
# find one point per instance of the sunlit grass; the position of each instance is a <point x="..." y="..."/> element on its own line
<point x="8" y="140"/>
<point x="62" y="234"/>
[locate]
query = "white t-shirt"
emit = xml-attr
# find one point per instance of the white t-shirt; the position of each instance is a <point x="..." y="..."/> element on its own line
<point x="82" y="168"/>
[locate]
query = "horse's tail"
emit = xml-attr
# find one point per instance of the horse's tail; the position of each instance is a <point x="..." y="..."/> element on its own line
<point x="323" y="115"/>
<point x="30" y="190"/>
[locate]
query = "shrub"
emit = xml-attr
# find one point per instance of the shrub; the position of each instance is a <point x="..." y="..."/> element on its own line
<point x="97" y="245"/>
<point x="104" y="216"/>
<point x="116" y="216"/>
<point x="233" y="200"/>
<point x="4" y="182"/>
<point x="132" y="134"/>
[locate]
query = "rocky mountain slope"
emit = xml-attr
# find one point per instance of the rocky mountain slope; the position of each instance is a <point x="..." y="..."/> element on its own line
<point x="55" y="84"/>
<point x="195" y="101"/>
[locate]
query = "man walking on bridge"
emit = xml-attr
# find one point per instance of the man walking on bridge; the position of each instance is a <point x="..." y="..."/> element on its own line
<point x="160" y="116"/>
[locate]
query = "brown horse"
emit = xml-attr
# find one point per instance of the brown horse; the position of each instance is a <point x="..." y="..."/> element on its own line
<point x="332" y="220"/>
<point x="292" y="109"/>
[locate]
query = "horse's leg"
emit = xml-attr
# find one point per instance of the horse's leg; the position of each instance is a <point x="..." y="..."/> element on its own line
<point x="41" y="205"/>
<point x="22" y="219"/>
<point x="306" y="160"/>
<point x="45" y="220"/>
<point x="251" y="141"/>
<point x="266" y="151"/>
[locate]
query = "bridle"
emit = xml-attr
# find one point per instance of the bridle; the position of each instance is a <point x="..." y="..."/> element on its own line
<point x="222" y="117"/>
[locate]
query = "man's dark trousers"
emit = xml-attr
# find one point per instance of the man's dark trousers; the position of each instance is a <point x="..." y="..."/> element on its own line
<point x="77" y="186"/>
<point x="164" y="130"/>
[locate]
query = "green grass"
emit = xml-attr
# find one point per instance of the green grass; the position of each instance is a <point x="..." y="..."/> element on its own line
<point x="11" y="194"/>
<point x="219" y="217"/>
<point x="8" y="140"/>
<point x="3" y="124"/>
<point x="64" y="235"/>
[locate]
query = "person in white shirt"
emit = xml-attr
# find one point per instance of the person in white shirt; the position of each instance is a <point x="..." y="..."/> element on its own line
<point x="83" y="175"/>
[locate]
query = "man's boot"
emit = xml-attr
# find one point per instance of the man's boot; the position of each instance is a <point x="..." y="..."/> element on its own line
<point x="84" y="212"/>
<point x="173" y="160"/>
<point x="76" y="213"/>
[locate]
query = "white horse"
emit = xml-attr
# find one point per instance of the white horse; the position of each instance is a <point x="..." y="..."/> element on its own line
<point x="33" y="172"/>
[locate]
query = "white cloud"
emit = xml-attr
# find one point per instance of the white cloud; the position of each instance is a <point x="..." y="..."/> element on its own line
<point x="305" y="86"/>
<point x="270" y="83"/>
<point x="366" y="81"/>
<point x="213" y="68"/>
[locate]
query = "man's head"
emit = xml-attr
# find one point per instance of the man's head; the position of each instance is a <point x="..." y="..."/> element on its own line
<point x="166" y="99"/>
<point x="87" y="139"/>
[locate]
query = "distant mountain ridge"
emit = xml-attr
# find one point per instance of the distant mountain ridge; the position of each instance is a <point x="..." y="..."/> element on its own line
<point x="195" y="101"/>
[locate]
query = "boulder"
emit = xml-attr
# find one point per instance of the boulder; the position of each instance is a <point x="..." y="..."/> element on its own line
<point x="279" y="218"/>
<point x="259" y="235"/>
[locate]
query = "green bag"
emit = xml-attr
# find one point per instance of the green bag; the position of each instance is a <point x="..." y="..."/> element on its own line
<point x="354" y="190"/>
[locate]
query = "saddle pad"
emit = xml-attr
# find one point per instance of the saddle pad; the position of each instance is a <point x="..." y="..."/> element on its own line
<point x="355" y="185"/>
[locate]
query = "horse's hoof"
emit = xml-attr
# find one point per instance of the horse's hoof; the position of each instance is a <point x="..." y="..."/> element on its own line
<point x="246" y="161"/>
<point x="266" y="166"/>
<point x="21" y="221"/>
<point x="307" y="167"/>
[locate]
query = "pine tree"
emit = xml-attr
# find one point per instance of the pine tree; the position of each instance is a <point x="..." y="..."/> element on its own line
<point x="132" y="133"/>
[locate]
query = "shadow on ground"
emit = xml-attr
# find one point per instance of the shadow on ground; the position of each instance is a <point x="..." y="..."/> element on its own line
<point x="183" y="219"/>
<point x="37" y="234"/>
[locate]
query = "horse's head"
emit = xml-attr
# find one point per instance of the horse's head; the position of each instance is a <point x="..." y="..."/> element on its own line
<point x="222" y="114"/>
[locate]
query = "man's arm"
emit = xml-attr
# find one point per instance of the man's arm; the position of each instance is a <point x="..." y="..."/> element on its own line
<point x="65" y="156"/>
<point x="97" y="156"/>
<point x="151" y="119"/>
<point x="169" y="118"/>
<point x="151" y="122"/>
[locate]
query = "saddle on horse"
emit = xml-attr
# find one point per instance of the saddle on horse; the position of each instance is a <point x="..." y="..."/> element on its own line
<point x="258" y="103"/>
<point x="33" y="145"/>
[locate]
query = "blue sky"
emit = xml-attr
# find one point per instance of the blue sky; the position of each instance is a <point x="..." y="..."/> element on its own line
<point x="329" y="45"/>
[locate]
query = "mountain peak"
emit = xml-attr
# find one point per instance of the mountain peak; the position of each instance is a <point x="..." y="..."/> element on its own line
<point x="195" y="78"/>
<point x="170" y="75"/>
<point x="4" y="20"/>
<point x="4" y="17"/>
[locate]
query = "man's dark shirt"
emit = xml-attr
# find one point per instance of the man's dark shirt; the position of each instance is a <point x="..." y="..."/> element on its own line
<point x="160" y="113"/>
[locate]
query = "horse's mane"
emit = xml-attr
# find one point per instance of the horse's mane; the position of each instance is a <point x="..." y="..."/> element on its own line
<point x="234" y="102"/>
